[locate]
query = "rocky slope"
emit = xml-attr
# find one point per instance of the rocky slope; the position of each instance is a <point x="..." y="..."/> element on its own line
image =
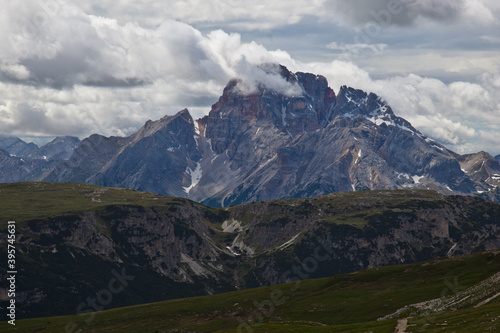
<point x="70" y="238"/>
<point x="15" y="169"/>
<point x="268" y="145"/>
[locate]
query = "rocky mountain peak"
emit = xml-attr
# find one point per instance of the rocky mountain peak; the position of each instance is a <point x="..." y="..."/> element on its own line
<point x="182" y="120"/>
<point x="292" y="114"/>
<point x="354" y="102"/>
<point x="484" y="170"/>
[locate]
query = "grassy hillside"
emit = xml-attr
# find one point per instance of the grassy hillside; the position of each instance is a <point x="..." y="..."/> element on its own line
<point x="72" y="237"/>
<point x="344" y="303"/>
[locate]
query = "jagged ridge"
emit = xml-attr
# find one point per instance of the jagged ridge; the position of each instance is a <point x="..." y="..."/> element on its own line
<point x="268" y="144"/>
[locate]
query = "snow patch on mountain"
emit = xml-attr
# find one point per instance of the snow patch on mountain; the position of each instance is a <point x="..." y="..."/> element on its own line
<point x="195" y="177"/>
<point x="417" y="179"/>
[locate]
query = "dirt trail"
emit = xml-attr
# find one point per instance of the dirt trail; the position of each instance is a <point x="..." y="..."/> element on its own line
<point x="486" y="300"/>
<point x="401" y="326"/>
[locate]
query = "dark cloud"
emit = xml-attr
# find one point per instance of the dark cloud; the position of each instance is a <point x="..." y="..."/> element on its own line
<point x="60" y="71"/>
<point x="32" y="119"/>
<point x="395" y="12"/>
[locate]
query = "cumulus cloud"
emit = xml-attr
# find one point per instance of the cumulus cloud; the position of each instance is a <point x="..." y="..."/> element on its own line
<point x="69" y="47"/>
<point x="246" y="15"/>
<point x="267" y="76"/>
<point x="93" y="73"/>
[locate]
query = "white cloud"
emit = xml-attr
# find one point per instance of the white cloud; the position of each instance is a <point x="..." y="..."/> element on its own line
<point x="386" y="13"/>
<point x="448" y="131"/>
<point x="268" y="76"/>
<point x="481" y="12"/>
<point x="91" y="74"/>
<point x="246" y="15"/>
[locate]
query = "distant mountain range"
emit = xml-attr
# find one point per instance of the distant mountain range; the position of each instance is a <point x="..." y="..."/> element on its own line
<point x="21" y="161"/>
<point x="264" y="145"/>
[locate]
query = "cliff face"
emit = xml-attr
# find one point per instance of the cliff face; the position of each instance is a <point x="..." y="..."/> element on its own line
<point x="157" y="158"/>
<point x="293" y="115"/>
<point x="348" y="232"/>
<point x="297" y="139"/>
<point x="141" y="236"/>
<point x="186" y="249"/>
<point x="315" y="144"/>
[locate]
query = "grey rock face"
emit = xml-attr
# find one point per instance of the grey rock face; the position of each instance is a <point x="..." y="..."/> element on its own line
<point x="19" y="169"/>
<point x="484" y="170"/>
<point x="354" y="141"/>
<point x="87" y="160"/>
<point x="13" y="169"/>
<point x="269" y="145"/>
<point x="157" y="158"/>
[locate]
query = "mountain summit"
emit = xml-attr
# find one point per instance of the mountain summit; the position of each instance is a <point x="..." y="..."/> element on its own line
<point x="268" y="145"/>
<point x="290" y="138"/>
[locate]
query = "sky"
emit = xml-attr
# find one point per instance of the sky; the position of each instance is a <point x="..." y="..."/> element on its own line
<point x="76" y="68"/>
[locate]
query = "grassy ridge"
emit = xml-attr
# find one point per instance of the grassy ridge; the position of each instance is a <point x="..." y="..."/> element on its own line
<point x="344" y="303"/>
<point x="37" y="200"/>
<point x="22" y="202"/>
